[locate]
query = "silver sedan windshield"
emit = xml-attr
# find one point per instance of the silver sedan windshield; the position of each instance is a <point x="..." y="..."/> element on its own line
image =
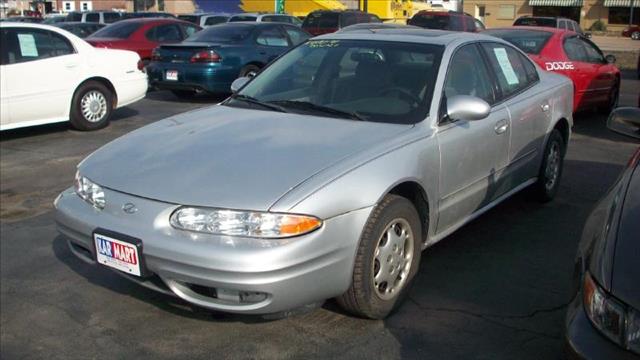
<point x="367" y="80"/>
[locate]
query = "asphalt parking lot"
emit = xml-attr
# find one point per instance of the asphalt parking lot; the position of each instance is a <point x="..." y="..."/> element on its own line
<point x="496" y="289"/>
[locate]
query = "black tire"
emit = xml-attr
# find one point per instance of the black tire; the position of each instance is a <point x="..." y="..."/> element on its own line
<point x="612" y="103"/>
<point x="363" y="297"/>
<point x="635" y="35"/>
<point x="184" y="94"/>
<point x="249" y="70"/>
<point x="546" y="187"/>
<point x="98" y="97"/>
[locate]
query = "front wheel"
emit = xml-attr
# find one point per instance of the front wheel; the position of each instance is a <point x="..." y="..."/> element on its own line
<point x="546" y="187"/>
<point x="386" y="261"/>
<point x="91" y="106"/>
<point x="249" y="71"/>
<point x="635" y="35"/>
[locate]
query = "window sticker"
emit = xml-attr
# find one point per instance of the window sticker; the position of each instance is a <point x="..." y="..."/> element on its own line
<point x="324" y="43"/>
<point x="505" y="65"/>
<point x="27" y="45"/>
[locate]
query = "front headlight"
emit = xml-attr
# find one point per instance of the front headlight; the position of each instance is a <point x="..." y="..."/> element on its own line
<point x="243" y="223"/>
<point x="614" y="319"/>
<point x="89" y="191"/>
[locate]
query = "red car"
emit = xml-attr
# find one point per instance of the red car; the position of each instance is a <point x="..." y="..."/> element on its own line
<point x="632" y="32"/>
<point x="595" y="78"/>
<point x="142" y="35"/>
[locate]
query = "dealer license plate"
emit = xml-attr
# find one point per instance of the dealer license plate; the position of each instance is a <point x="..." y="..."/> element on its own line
<point x="117" y="254"/>
<point x="172" y="75"/>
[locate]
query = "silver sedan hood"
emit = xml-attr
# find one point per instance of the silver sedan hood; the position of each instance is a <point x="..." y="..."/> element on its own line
<point x="229" y="157"/>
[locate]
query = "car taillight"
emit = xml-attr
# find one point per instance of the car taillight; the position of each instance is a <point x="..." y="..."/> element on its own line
<point x="208" y="56"/>
<point x="155" y="55"/>
<point x="141" y="65"/>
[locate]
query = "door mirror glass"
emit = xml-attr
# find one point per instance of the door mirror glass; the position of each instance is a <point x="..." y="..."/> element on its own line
<point x="465" y="107"/>
<point x="238" y="83"/>
<point x="610" y="59"/>
<point x="626" y="121"/>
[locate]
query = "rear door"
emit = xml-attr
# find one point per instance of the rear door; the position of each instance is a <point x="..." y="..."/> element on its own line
<point x="473" y="153"/>
<point x="42" y="67"/>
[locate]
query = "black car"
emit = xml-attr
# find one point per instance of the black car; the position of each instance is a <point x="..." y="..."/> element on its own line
<point x="147" y="14"/>
<point x="603" y="320"/>
<point x="80" y="29"/>
<point x="327" y="21"/>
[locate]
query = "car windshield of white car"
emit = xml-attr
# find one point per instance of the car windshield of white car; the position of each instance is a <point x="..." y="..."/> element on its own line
<point x="529" y="41"/>
<point x="353" y="79"/>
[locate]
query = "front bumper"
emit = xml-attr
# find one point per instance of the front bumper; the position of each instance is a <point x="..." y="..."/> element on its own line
<point x="583" y="341"/>
<point x="291" y="272"/>
<point x="210" y="78"/>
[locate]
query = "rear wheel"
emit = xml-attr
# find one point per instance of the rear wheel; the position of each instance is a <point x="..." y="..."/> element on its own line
<point x="635" y="35"/>
<point x="546" y="187"/>
<point x="386" y="261"/>
<point x="91" y="106"/>
<point x="249" y="70"/>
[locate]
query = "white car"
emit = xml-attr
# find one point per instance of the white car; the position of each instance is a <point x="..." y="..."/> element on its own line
<point x="49" y="75"/>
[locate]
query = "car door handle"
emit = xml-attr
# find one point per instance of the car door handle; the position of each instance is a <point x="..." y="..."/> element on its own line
<point x="545" y="107"/>
<point x="501" y="126"/>
<point x="70" y="66"/>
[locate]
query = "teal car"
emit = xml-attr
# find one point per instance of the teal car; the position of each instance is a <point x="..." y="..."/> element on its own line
<point x="210" y="60"/>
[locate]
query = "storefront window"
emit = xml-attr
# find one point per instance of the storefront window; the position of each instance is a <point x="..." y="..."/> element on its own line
<point x="620" y="15"/>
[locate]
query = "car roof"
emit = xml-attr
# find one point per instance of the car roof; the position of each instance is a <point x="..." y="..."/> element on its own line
<point x="422" y="36"/>
<point x="29" y="25"/>
<point x="77" y="23"/>
<point x="146" y="20"/>
<point x="535" y="28"/>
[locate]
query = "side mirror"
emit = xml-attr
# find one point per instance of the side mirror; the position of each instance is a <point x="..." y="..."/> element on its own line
<point x="238" y="83"/>
<point x="610" y="59"/>
<point x="465" y="107"/>
<point x="626" y="121"/>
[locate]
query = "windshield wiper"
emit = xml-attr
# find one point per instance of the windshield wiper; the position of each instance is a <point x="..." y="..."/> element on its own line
<point x="309" y="106"/>
<point x="252" y="100"/>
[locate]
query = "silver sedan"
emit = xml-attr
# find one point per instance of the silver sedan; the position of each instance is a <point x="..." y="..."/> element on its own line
<point x="324" y="176"/>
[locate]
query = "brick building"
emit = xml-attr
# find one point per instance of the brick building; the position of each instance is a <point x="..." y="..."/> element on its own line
<point x="614" y="14"/>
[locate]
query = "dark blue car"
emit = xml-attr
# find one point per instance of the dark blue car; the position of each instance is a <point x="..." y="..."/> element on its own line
<point x="210" y="60"/>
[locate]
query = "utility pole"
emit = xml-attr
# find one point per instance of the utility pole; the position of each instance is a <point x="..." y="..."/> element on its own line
<point x="631" y="13"/>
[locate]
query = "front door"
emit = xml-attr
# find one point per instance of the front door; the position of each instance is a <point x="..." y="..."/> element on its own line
<point x="473" y="153"/>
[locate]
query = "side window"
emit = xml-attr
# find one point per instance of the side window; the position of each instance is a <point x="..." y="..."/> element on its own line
<point x="347" y="19"/>
<point x="594" y="55"/>
<point x="509" y="68"/>
<point x="574" y="49"/>
<point x="456" y="23"/>
<point x="297" y="37"/>
<point x="111" y="17"/>
<point x="374" y="18"/>
<point x="190" y="29"/>
<point x="213" y="20"/>
<point x="269" y="19"/>
<point x="34" y="44"/>
<point x="272" y="37"/>
<point x="469" y="24"/>
<point x="530" y="69"/>
<point x="93" y="17"/>
<point x="165" y="33"/>
<point x="468" y="76"/>
<point x="8" y="46"/>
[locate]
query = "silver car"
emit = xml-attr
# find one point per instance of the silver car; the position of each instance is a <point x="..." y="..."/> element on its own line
<point x="324" y="176"/>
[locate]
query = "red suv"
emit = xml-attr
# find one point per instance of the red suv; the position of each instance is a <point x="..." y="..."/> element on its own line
<point x="327" y="21"/>
<point x="444" y="20"/>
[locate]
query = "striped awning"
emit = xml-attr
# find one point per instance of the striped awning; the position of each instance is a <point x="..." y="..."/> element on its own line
<point x="621" y="3"/>
<point x="556" y="2"/>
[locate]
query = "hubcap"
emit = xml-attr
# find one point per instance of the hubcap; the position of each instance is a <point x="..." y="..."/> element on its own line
<point x="392" y="259"/>
<point x="553" y="166"/>
<point x="93" y="106"/>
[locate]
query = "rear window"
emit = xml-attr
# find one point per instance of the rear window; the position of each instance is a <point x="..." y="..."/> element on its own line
<point x="529" y="41"/>
<point x="243" y="18"/>
<point x="189" y="18"/>
<point x="222" y="33"/>
<point x="322" y="20"/>
<point x="535" y="22"/>
<point x="119" y="30"/>
<point x="430" y="21"/>
<point x="214" y="20"/>
<point x="74" y="17"/>
<point x="111" y="17"/>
